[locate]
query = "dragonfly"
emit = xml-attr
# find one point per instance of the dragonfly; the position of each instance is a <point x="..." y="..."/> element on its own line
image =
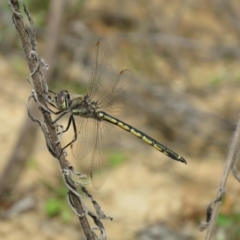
<point x="93" y="116"/>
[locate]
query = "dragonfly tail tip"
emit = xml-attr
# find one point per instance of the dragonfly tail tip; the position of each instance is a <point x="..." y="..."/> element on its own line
<point x="183" y="160"/>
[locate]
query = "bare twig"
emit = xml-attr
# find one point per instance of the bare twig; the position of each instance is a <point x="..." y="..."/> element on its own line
<point x="28" y="40"/>
<point x="212" y="210"/>
<point x="71" y="184"/>
<point x="26" y="138"/>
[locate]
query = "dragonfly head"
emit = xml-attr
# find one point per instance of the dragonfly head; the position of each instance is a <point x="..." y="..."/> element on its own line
<point x="62" y="100"/>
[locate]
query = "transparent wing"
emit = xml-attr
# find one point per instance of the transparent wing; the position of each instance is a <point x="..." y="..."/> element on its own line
<point x="113" y="92"/>
<point x="102" y="73"/>
<point x="86" y="135"/>
<point x="105" y="147"/>
<point x="102" y="140"/>
<point x="119" y="100"/>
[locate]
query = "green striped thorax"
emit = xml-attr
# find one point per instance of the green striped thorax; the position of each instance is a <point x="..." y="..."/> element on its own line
<point x="81" y="105"/>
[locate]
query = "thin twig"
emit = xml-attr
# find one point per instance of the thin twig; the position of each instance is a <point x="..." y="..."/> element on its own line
<point x="17" y="161"/>
<point x="38" y="82"/>
<point x="213" y="208"/>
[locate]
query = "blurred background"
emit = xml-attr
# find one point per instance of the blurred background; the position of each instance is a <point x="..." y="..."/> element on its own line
<point x="185" y="57"/>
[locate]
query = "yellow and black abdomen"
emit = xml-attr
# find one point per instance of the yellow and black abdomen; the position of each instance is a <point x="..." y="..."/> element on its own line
<point x="160" y="147"/>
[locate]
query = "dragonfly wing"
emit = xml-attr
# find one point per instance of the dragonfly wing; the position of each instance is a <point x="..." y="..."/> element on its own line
<point x="120" y="99"/>
<point x="105" y="147"/>
<point x="85" y="137"/>
<point x="113" y="92"/>
<point x="102" y="73"/>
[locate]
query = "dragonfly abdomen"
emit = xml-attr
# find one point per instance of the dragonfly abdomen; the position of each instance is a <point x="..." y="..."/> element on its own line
<point x="158" y="146"/>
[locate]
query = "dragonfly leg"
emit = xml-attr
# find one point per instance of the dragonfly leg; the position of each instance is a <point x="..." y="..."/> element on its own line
<point x="71" y="120"/>
<point x="50" y="100"/>
<point x="60" y="133"/>
<point x="47" y="109"/>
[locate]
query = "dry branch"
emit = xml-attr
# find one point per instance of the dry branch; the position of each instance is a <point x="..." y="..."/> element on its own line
<point x="28" y="41"/>
<point x="26" y="139"/>
<point x="213" y="208"/>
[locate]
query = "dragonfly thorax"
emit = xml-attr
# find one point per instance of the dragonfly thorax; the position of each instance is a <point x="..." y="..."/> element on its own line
<point x="84" y="107"/>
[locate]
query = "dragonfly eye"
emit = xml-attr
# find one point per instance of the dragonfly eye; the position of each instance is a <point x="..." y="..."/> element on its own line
<point x="61" y="99"/>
